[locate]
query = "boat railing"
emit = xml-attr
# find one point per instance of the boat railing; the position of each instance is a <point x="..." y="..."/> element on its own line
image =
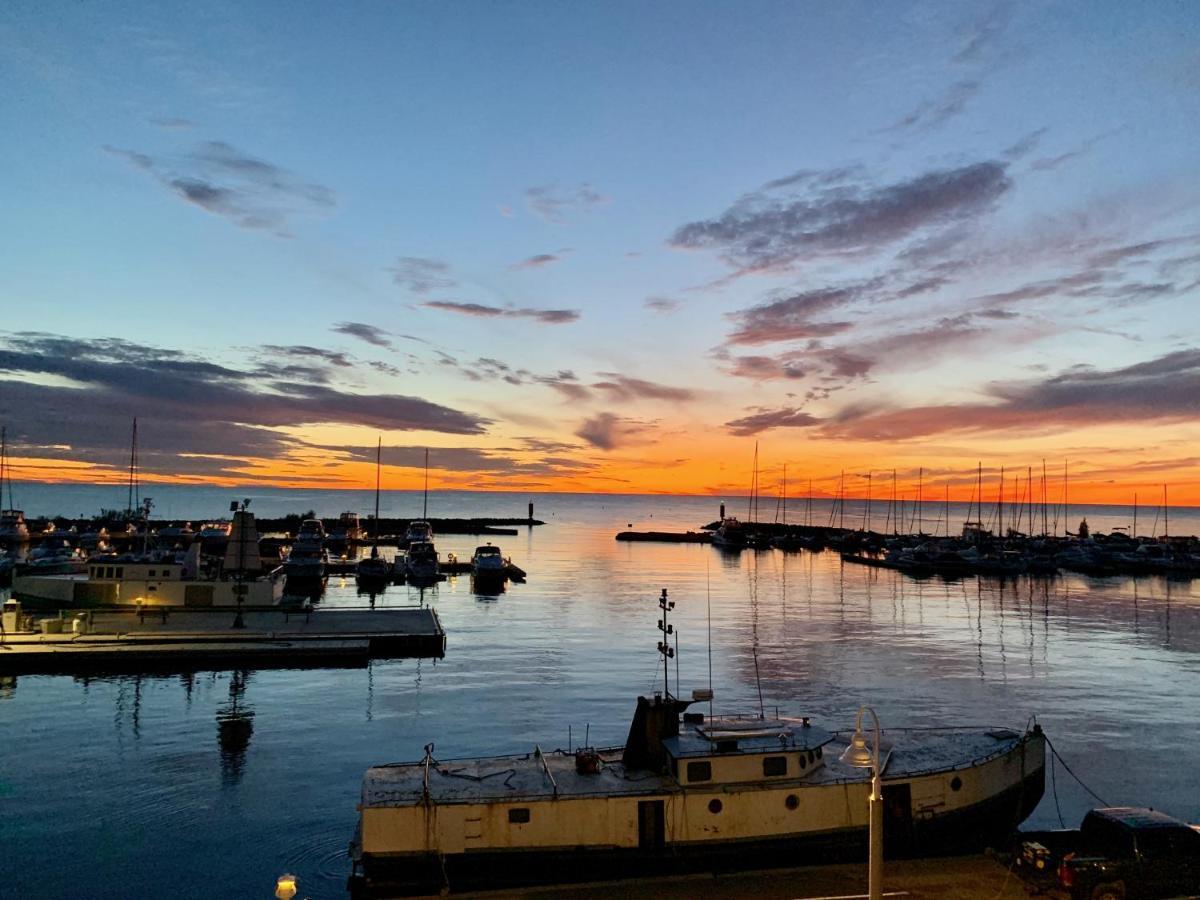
<point x="541" y="757"/>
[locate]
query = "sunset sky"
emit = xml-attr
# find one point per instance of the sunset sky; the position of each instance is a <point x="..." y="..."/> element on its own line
<point x="602" y="247"/>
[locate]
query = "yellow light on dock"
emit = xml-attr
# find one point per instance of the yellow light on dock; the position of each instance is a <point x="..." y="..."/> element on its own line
<point x="285" y="887"/>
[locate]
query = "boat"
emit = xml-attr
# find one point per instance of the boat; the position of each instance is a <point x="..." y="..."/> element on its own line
<point x="214" y="537"/>
<point x="487" y="564"/>
<point x="347" y="530"/>
<point x="373" y="570"/>
<point x="417" y="532"/>
<point x="54" y="556"/>
<point x="730" y="535"/>
<point x="686" y="792"/>
<point x="308" y="558"/>
<point x="155" y="579"/>
<point x="421" y="562"/>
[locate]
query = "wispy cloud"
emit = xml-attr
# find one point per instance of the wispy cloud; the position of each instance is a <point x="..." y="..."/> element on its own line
<point x="248" y="191"/>
<point x="541" y="260"/>
<point x="662" y="305"/>
<point x="480" y="310"/>
<point x="765" y="232"/>
<point x="421" y="275"/>
<point x="932" y="113"/>
<point x="791" y="318"/>
<point x="553" y="202"/>
<point x="371" y="334"/>
<point x="606" y="431"/>
<point x="623" y="387"/>
<point x="765" y="419"/>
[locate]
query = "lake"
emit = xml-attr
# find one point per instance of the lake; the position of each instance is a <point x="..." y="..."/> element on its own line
<point x="213" y="784"/>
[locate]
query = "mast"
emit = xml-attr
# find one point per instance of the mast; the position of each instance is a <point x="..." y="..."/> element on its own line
<point x="1045" y="498"/>
<point x="947" y="509"/>
<point x="808" y="506"/>
<point x="1166" y="513"/>
<point x="378" y="456"/>
<point x="920" y="492"/>
<point x="842" y="502"/>
<point x="895" y="518"/>
<point x="664" y="646"/>
<point x="781" y="506"/>
<point x="133" y="462"/>
<point x="1134" y="514"/>
<point x="867" y="512"/>
<point x="1000" y="507"/>
<point x="425" y="502"/>
<point x="1066" y="513"/>
<point x="4" y="469"/>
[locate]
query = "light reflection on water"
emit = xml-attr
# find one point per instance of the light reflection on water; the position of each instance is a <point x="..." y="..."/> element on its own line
<point x="212" y="784"/>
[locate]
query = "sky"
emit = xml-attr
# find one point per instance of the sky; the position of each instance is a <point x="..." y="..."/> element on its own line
<point x="617" y="247"/>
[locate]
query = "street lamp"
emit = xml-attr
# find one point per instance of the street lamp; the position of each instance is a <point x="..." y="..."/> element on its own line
<point x="239" y="588"/>
<point x="859" y="755"/>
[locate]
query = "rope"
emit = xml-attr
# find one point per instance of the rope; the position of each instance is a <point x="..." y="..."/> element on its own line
<point x="1096" y="796"/>
<point x="1054" y="789"/>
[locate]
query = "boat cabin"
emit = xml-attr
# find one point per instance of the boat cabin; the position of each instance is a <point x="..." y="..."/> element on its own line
<point x="724" y="750"/>
<point x="112" y="570"/>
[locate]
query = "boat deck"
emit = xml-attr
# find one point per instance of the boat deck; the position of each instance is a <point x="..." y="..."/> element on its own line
<point x="552" y="775"/>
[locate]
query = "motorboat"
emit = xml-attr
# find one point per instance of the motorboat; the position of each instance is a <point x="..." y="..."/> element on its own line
<point x="54" y="556"/>
<point x="308" y="557"/>
<point x="688" y="791"/>
<point x="347" y="530"/>
<point x="730" y="535"/>
<point x="417" y="532"/>
<point x="488" y="563"/>
<point x="13" y="528"/>
<point x="421" y="562"/>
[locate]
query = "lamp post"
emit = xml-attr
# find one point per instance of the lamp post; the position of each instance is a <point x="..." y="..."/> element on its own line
<point x="862" y="757"/>
<point x="239" y="588"/>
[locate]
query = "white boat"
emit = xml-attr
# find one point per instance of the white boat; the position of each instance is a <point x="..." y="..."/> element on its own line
<point x="417" y="532"/>
<point x="421" y="562"/>
<point x="730" y="535"/>
<point x="308" y="557"/>
<point x="686" y="792"/>
<point x="488" y="563"/>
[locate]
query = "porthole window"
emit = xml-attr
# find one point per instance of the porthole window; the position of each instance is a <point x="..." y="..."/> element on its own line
<point x="803" y="762"/>
<point x="699" y="771"/>
<point x="956" y="783"/>
<point x="714" y="806"/>
<point x="518" y="816"/>
<point x="774" y="765"/>
<point x="792" y="801"/>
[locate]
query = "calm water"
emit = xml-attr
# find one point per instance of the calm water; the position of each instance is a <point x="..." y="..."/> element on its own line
<point x="213" y="784"/>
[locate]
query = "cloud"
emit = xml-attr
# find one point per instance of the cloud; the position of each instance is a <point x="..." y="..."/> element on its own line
<point x="1049" y="163"/>
<point x="421" y="275"/>
<point x="364" y="332"/>
<point x="552" y="202"/>
<point x="604" y="431"/>
<point x="764" y="368"/>
<point x="194" y="405"/>
<point x="303" y="351"/>
<point x="248" y="191"/>
<point x="566" y="384"/>
<point x="662" y="305"/>
<point x="480" y="310"/>
<point x="763" y="232"/>
<point x="1164" y="389"/>
<point x="622" y="387"/>
<point x="932" y="113"/>
<point x="980" y="36"/>
<point x="790" y="318"/>
<point x="171" y="123"/>
<point x="765" y="419"/>
<point x="541" y="260"/>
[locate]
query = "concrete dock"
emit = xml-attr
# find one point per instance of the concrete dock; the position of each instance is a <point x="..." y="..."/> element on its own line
<point x="280" y="637"/>
<point x="980" y="877"/>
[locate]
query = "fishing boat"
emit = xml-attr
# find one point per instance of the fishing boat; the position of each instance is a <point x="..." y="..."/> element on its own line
<point x="421" y="562"/>
<point x="374" y="569"/>
<point x="687" y="791"/>
<point x="487" y="564"/>
<point x="308" y="558"/>
<point x="730" y="535"/>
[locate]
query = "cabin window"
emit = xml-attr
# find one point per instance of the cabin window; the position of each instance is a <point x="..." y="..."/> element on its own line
<point x="699" y="771"/>
<point x="120" y="572"/>
<point x="774" y="765"/>
<point x="518" y="816"/>
<point x="153" y="572"/>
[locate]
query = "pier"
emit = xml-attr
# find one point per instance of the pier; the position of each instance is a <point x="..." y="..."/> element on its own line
<point x="280" y="637"/>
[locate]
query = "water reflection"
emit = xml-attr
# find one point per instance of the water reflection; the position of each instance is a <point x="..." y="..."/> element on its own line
<point x="235" y="726"/>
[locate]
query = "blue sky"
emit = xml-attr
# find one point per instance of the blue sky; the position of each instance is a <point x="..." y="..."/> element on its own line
<point x="638" y="234"/>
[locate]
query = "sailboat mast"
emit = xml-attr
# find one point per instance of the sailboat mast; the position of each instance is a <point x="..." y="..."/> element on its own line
<point x="378" y="457"/>
<point x="131" y="499"/>
<point x="1134" y="515"/>
<point x="1166" y="513"/>
<point x="1000" y="507"/>
<point x="1066" y="514"/>
<point x="947" y="509"/>
<point x="425" y="502"/>
<point x="1045" y="511"/>
<point x="4" y="468"/>
<point x="867" y="514"/>
<point x="920" y="493"/>
<point x="895" y="519"/>
<point x="783" y="495"/>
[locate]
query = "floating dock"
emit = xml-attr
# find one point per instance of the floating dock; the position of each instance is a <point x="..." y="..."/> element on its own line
<point x="278" y="637"/>
<point x="668" y="537"/>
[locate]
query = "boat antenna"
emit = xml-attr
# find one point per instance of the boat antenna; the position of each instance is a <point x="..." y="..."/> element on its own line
<point x="664" y="646"/>
<point x="425" y="502"/>
<point x="708" y="589"/>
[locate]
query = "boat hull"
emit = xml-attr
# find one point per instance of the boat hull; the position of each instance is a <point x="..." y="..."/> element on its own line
<point x="913" y="826"/>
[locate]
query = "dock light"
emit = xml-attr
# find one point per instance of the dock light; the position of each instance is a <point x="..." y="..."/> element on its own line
<point x="285" y="887"/>
<point x="860" y="756"/>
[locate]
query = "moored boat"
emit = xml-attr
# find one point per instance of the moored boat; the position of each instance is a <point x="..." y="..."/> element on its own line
<point x="421" y="562"/>
<point x="308" y="557"/>
<point x="487" y="563"/>
<point x="685" y="792"/>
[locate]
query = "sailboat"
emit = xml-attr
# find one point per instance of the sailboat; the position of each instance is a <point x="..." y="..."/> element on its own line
<point x="13" y="529"/>
<point x="374" y="569"/>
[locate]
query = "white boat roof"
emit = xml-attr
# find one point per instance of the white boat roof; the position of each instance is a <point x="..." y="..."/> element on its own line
<point x="521" y="778"/>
